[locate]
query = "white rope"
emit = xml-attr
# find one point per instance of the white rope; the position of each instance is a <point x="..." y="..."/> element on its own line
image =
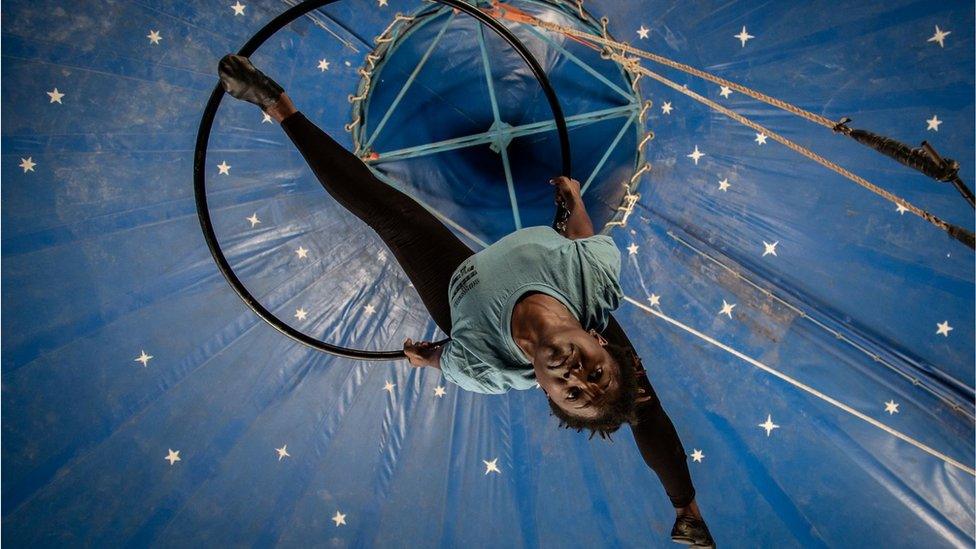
<point x="807" y="388"/>
<point x="643" y="111"/>
<point x="637" y="174"/>
<point x="630" y="199"/>
<point x="647" y="137"/>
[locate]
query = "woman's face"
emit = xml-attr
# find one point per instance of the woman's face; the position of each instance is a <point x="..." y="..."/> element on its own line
<point x="576" y="371"/>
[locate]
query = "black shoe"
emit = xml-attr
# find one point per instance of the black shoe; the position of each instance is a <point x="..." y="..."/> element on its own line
<point x="242" y="80"/>
<point x="689" y="530"/>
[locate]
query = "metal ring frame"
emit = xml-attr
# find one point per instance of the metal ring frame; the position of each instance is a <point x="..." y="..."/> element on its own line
<point x="203" y="137"/>
<point x="405" y="24"/>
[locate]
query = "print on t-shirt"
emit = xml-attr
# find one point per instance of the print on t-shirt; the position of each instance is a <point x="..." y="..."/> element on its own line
<point x="465" y="278"/>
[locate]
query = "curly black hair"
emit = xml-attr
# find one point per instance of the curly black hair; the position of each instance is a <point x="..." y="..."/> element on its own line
<point x="616" y="412"/>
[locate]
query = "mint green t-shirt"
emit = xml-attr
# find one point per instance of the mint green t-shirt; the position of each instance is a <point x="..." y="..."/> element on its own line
<point x="583" y="274"/>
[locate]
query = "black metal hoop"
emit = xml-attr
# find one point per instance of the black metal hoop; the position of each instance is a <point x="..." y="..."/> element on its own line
<point x="203" y="137"/>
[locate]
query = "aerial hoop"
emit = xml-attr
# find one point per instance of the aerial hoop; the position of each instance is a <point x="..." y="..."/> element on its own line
<point x="203" y="136"/>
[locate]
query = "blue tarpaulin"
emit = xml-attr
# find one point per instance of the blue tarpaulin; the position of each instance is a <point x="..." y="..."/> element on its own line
<point x="812" y="341"/>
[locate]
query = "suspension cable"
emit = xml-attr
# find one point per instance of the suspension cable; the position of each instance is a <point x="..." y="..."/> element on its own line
<point x="609" y="46"/>
<point x="959" y="233"/>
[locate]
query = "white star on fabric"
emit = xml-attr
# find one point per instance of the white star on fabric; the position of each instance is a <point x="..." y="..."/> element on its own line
<point x="238" y="8"/>
<point x="900" y="209"/>
<point x="267" y="119"/>
<point x="173" y="457"/>
<point x="323" y="65"/>
<point x="933" y="123"/>
<point x="891" y="407"/>
<point x="939" y="36"/>
<point x="439" y="391"/>
<point x="666" y="107"/>
<point x="491" y="466"/>
<point x="55" y="96"/>
<point x="370" y="309"/>
<point x="282" y="452"/>
<point x="339" y="518"/>
<point x="769" y="425"/>
<point x="770" y="248"/>
<point x="743" y="36"/>
<point x="253" y="219"/>
<point x="28" y="164"/>
<point x="154" y="37"/>
<point x="389" y="387"/>
<point x="302" y="252"/>
<point x="695" y="155"/>
<point x="224" y="168"/>
<point x="697" y="455"/>
<point x="642" y="32"/>
<point x="944" y="328"/>
<point x="655" y="300"/>
<point x="382" y="3"/>
<point x="723" y="185"/>
<point x="301" y="314"/>
<point x="727" y="308"/>
<point x="761" y="138"/>
<point x="632" y="249"/>
<point x="725" y="92"/>
<point x="143" y="358"/>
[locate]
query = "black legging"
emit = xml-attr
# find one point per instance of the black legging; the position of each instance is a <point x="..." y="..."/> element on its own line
<point x="429" y="252"/>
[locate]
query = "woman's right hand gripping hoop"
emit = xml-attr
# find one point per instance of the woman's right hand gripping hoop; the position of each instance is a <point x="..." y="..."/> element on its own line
<point x="567" y="193"/>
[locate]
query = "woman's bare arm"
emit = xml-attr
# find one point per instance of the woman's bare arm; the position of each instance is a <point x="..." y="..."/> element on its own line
<point x="578" y="225"/>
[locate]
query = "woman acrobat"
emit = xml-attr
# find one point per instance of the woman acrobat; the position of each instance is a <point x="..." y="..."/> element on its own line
<point x="534" y="307"/>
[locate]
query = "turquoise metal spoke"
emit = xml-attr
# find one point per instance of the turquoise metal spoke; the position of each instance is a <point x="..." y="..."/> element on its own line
<point x="578" y="61"/>
<point x="503" y="146"/>
<point x="515" y="131"/>
<point x="500" y="134"/>
<point x="406" y="86"/>
<point x="606" y="155"/>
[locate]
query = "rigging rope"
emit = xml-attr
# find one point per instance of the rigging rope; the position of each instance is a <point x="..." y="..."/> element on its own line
<point x="956" y="232"/>
<point x="508" y="12"/>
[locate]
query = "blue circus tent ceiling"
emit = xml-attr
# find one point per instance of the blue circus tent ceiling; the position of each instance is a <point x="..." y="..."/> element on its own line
<point x="812" y="344"/>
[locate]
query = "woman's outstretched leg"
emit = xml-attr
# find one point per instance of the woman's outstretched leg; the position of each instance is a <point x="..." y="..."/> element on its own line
<point x="427" y="251"/>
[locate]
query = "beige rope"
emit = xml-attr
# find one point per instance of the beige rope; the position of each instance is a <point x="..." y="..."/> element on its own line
<point x="816" y="118"/>
<point x="637" y="174"/>
<point x="647" y="137"/>
<point x="396" y="19"/>
<point x="643" y="111"/>
<point x="776" y="137"/>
